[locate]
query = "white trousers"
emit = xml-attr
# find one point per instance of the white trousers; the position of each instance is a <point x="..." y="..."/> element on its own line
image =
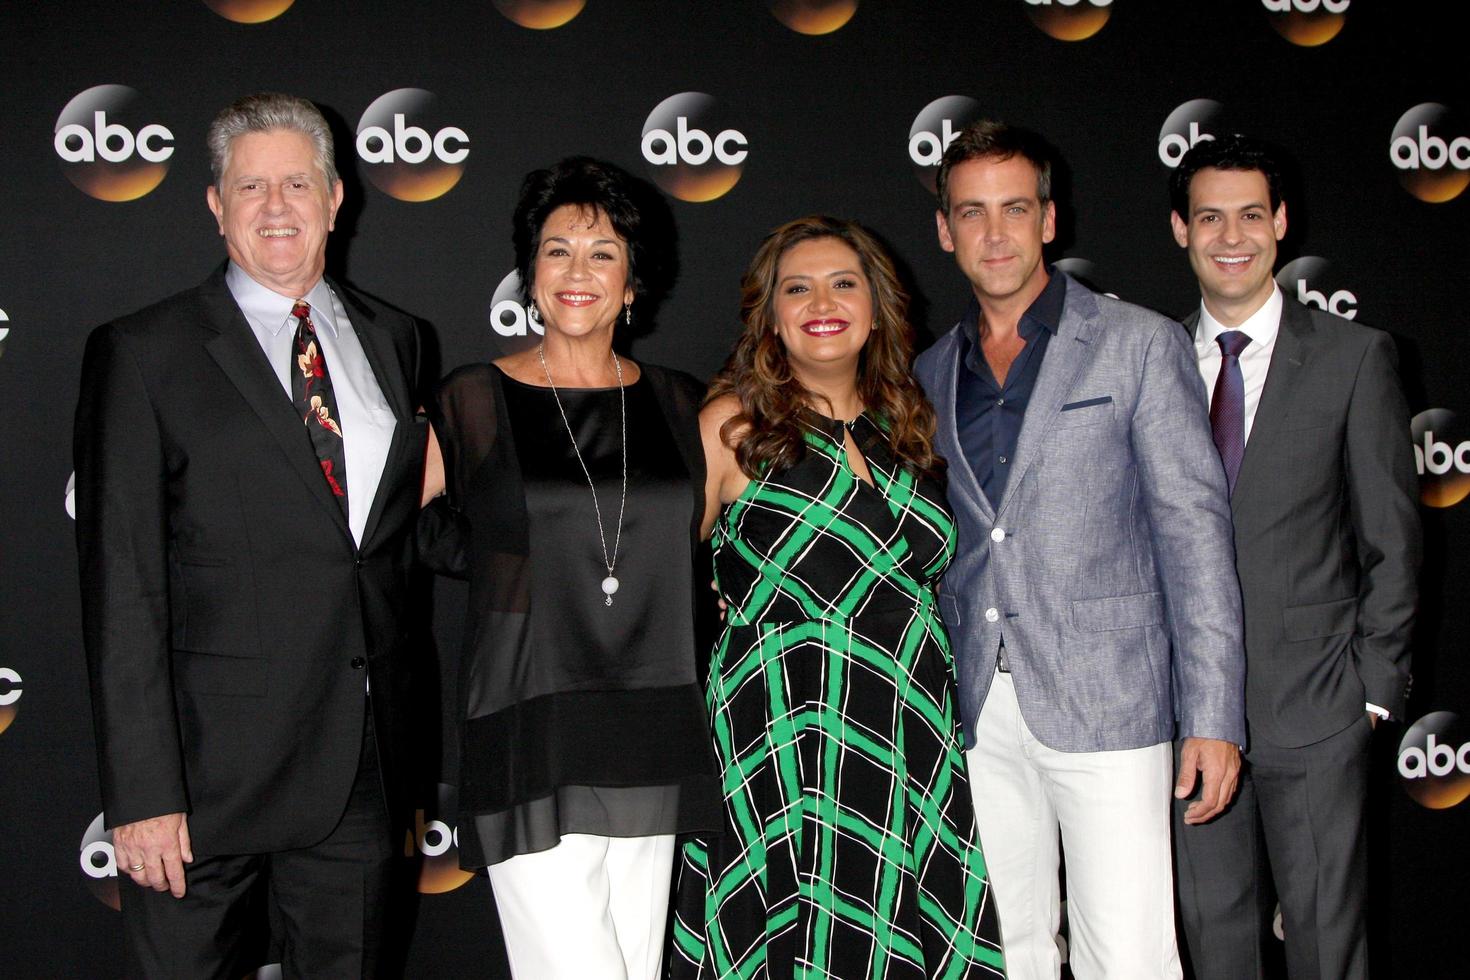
<point x="1112" y="811"/>
<point x="590" y="908"/>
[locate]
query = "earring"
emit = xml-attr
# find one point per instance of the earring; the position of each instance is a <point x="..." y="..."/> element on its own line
<point x="628" y="314"/>
<point x="533" y="314"/>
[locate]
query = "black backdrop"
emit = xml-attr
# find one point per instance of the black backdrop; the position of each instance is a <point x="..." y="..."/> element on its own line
<point x="810" y="106"/>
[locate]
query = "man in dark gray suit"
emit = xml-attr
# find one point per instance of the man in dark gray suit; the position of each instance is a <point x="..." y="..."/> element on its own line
<point x="1092" y="600"/>
<point x="248" y="471"/>
<point x="1311" y="422"/>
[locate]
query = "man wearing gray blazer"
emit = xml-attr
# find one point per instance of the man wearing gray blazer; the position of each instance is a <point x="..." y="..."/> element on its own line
<point x="1313" y="427"/>
<point x="1093" y="601"/>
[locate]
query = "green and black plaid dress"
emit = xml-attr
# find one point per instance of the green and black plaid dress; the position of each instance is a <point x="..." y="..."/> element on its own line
<point x="849" y="848"/>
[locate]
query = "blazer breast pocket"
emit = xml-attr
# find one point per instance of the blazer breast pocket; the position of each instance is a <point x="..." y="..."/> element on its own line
<point x="1297" y="421"/>
<point x="1085" y="411"/>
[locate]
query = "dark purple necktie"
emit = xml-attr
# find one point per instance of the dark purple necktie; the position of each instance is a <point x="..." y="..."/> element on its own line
<point x="1227" y="407"/>
<point x="311" y="390"/>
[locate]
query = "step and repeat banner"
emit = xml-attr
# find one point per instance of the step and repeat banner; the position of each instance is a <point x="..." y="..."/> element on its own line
<point x="745" y="113"/>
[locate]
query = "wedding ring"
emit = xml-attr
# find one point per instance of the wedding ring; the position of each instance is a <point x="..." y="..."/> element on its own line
<point x="135" y="867"/>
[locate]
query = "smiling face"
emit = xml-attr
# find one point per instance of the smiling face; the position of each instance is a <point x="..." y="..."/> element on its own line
<point x="581" y="282"/>
<point x="275" y="208"/>
<point x="1231" y="234"/>
<point x="996" y="227"/>
<point x="823" y="306"/>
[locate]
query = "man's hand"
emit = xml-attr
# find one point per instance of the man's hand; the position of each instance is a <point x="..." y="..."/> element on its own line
<point x="153" y="852"/>
<point x="1218" y="763"/>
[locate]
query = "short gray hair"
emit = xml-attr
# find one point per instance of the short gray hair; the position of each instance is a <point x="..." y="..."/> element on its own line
<point x="269" y="112"/>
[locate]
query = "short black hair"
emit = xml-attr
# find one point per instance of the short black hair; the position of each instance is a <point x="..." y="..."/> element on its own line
<point x="990" y="138"/>
<point x="580" y="181"/>
<point x="1234" y="152"/>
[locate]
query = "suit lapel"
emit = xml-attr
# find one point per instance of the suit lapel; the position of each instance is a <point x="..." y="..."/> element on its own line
<point x="392" y="377"/>
<point x="949" y="367"/>
<point x="1066" y="353"/>
<point x="239" y="356"/>
<point x="1293" y="346"/>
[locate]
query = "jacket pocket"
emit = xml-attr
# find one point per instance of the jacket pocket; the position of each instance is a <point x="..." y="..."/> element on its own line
<point x="1320" y="619"/>
<point x="213" y="673"/>
<point x="1296" y="421"/>
<point x="1089" y="411"/>
<point x="1120" y="612"/>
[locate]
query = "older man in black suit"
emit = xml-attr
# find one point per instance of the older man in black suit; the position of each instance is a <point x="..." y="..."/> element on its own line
<point x="1311" y="423"/>
<point x="248" y="468"/>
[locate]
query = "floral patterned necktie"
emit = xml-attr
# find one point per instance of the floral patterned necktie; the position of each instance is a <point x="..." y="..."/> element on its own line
<point x="311" y="389"/>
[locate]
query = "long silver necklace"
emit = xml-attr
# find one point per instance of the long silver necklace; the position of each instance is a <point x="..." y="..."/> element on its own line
<point x="609" y="584"/>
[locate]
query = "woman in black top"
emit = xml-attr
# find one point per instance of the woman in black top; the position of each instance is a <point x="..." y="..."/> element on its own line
<point x="575" y="480"/>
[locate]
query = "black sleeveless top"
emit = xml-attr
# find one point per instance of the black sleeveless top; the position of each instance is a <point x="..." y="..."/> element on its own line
<point x="576" y="716"/>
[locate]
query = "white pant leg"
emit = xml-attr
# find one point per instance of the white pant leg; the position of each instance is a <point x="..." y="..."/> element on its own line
<point x="1114" y="813"/>
<point x="641" y="870"/>
<point x="1018" y="831"/>
<point x="585" y="909"/>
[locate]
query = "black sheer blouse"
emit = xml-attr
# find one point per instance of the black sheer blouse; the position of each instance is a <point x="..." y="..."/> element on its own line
<point x="576" y="716"/>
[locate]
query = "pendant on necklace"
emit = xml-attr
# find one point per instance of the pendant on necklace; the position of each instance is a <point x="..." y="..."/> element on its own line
<point x="609" y="586"/>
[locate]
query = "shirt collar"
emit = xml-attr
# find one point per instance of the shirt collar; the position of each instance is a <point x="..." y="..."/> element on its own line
<point x="272" y="310"/>
<point x="1045" y="311"/>
<point x="1261" y="326"/>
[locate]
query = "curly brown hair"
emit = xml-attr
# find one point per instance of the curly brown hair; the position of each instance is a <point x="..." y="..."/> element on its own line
<point x="766" y="433"/>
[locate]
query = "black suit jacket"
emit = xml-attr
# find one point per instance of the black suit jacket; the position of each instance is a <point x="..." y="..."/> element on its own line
<point x="229" y="618"/>
<point x="1327" y="535"/>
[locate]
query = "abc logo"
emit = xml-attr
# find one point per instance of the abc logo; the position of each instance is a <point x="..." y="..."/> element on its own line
<point x="1441" y="457"/>
<point x="540" y="15"/>
<point x="249" y="11"/>
<point x="108" y="148"/>
<point x="1431" y="153"/>
<point x="71" y="496"/>
<point x="409" y="156"/>
<point x="1434" y="761"/>
<point x="1307" y="23"/>
<point x="933" y="129"/>
<point x="9" y="694"/>
<point x="813" y="16"/>
<point x="4" y="331"/>
<point x="435" y="837"/>
<point x="1303" y="278"/>
<point x="690" y="153"/>
<point x="1191" y="123"/>
<point x="507" y="314"/>
<point x="1069" y="20"/>
<point x="99" y="863"/>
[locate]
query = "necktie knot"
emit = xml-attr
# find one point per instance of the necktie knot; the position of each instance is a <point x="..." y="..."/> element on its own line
<point x="301" y="311"/>
<point x="1232" y="342"/>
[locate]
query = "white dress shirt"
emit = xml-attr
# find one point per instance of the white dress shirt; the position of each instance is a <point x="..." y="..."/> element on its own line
<point x="367" y="420"/>
<point x="1261" y="327"/>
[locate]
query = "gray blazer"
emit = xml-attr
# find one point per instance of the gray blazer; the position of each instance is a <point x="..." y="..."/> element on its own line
<point x="1108" y="564"/>
<point x="1327" y="531"/>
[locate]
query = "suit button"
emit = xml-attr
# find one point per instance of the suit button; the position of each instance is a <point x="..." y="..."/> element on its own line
<point x="998" y="534"/>
<point x="358" y="663"/>
<point x="992" y="615"/>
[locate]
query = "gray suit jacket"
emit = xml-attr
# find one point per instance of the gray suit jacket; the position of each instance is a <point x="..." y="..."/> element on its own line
<point x="1107" y="566"/>
<point x="1327" y="534"/>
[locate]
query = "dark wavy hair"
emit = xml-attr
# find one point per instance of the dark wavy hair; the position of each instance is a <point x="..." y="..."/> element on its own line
<point x="584" y="182"/>
<point x="766" y="434"/>
<point x="994" y="140"/>
<point x="1234" y="152"/>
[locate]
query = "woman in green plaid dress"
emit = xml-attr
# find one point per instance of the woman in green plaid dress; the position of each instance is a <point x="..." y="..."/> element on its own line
<point x="849" y="847"/>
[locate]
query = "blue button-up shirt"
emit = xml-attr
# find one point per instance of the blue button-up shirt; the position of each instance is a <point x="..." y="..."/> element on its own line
<point x="989" y="414"/>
